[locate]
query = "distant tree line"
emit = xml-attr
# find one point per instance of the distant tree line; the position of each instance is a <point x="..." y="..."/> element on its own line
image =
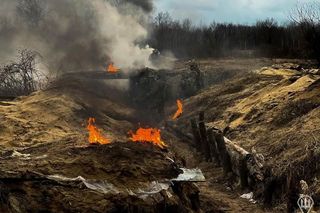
<point x="298" y="39"/>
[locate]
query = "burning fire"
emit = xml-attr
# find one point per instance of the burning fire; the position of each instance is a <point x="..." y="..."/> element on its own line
<point x="150" y="135"/>
<point x="179" y="110"/>
<point x="112" y="68"/>
<point x="95" y="135"/>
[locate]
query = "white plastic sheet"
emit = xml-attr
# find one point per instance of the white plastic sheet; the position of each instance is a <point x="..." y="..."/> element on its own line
<point x="248" y="196"/>
<point x="96" y="185"/>
<point x="20" y="155"/>
<point x="103" y="186"/>
<point x="190" y="175"/>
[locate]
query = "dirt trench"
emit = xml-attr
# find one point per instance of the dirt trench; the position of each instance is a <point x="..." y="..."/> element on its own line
<point x="47" y="163"/>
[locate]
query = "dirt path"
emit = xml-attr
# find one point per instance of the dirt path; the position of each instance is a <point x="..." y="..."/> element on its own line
<point x="215" y="192"/>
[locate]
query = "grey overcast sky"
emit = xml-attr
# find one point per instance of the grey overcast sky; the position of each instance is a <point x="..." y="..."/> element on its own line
<point x="236" y="11"/>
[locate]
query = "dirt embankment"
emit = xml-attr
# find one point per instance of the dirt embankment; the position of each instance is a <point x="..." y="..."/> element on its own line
<point x="275" y="110"/>
<point x="48" y="165"/>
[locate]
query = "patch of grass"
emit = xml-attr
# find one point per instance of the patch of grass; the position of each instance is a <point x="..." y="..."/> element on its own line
<point x="295" y="110"/>
<point x="240" y="84"/>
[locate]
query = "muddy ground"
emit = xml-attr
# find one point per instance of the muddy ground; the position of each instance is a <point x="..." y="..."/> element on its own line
<point x="47" y="163"/>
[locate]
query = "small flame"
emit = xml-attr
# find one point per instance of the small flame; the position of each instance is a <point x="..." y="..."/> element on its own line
<point x="149" y="135"/>
<point x="95" y="135"/>
<point x="179" y="110"/>
<point x="112" y="68"/>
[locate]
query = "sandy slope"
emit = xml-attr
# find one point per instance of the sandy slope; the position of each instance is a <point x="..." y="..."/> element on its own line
<point x="61" y="113"/>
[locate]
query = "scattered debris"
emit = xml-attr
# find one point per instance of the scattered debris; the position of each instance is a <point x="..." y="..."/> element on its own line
<point x="20" y="155"/>
<point x="190" y="175"/>
<point x="249" y="196"/>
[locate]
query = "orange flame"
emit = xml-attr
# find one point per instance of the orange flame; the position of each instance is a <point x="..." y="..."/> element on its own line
<point x="150" y="135"/>
<point x="95" y="135"/>
<point x="179" y="110"/>
<point x="112" y="68"/>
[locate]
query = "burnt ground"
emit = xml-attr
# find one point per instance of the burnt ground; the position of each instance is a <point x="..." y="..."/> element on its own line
<point x="44" y="147"/>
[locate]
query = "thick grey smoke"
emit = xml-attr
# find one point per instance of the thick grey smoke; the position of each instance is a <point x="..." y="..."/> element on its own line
<point x="146" y="5"/>
<point x="77" y="34"/>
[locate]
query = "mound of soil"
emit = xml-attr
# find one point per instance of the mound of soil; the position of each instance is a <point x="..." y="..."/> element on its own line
<point x="47" y="164"/>
<point x="104" y="178"/>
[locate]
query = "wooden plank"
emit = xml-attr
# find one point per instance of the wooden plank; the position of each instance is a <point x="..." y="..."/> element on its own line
<point x="213" y="147"/>
<point x="204" y="140"/>
<point x="225" y="157"/>
<point x="196" y="134"/>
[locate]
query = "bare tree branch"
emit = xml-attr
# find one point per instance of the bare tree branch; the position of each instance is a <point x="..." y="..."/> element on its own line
<point x="21" y="77"/>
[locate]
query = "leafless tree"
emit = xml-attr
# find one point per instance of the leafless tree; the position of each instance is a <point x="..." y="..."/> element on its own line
<point x="307" y="17"/>
<point x="21" y="77"/>
<point x="300" y="38"/>
<point x="306" y="13"/>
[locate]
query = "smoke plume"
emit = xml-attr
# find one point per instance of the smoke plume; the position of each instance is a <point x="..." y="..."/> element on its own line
<point x="76" y="35"/>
